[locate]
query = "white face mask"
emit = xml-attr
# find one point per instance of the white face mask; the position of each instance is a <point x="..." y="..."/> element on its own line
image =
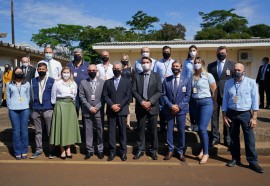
<point x="146" y="67"/>
<point x="193" y="53"/>
<point x="48" y="56"/>
<point x="198" y="66"/>
<point x="145" y="54"/>
<point x="25" y="65"/>
<point x="66" y="76"/>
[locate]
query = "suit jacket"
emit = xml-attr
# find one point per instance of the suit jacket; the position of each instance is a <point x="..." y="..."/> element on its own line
<point x="154" y="91"/>
<point x="1" y="80"/>
<point x="120" y="96"/>
<point x="266" y="75"/>
<point x="181" y="98"/>
<point x="220" y="81"/>
<point x="30" y="74"/>
<point x="85" y="93"/>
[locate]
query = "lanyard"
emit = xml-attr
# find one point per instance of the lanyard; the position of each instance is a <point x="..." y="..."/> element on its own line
<point x="19" y="89"/>
<point x="166" y="66"/>
<point x="237" y="86"/>
<point x="93" y="85"/>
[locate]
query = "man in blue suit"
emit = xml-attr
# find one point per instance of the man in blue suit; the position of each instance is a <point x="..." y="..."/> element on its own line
<point x="176" y="91"/>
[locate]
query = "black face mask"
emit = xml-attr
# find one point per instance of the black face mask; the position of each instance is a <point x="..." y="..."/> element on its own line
<point x="238" y="75"/>
<point x="18" y="76"/>
<point x="166" y="55"/>
<point x="125" y="63"/>
<point x="92" y="75"/>
<point x="175" y="70"/>
<point x="77" y="58"/>
<point x="41" y="73"/>
<point x="116" y="72"/>
<point x="221" y="57"/>
<point x="105" y="59"/>
<point x="6" y="68"/>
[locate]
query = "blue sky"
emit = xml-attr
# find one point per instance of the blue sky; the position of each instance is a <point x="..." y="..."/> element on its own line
<point x="32" y="15"/>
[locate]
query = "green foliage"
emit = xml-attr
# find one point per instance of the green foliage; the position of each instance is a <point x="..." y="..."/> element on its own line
<point x="260" y="30"/>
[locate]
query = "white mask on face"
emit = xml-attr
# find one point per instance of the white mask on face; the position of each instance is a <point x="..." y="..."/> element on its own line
<point x="198" y="66"/>
<point x="145" y="54"/>
<point x="48" y="56"/>
<point x="66" y="76"/>
<point x="25" y="65"/>
<point x="146" y="67"/>
<point x="193" y="53"/>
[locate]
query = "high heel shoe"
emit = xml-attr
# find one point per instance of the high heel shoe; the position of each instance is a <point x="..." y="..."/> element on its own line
<point x="63" y="156"/>
<point x="69" y="156"/>
<point x="204" y="159"/>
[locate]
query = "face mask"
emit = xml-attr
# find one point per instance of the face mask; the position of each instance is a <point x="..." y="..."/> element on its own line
<point x="18" y="76"/>
<point x="145" y="54"/>
<point x="92" y="75"/>
<point x="166" y="55"/>
<point x="198" y="66"/>
<point x="146" y="67"/>
<point x="66" y="76"/>
<point x="77" y="58"/>
<point x="125" y="63"/>
<point x="238" y="75"/>
<point x="175" y="70"/>
<point x="41" y="73"/>
<point x="193" y="53"/>
<point x="48" y="56"/>
<point x="116" y="72"/>
<point x="221" y="57"/>
<point x="25" y="65"/>
<point x="105" y="59"/>
<point x="6" y="68"/>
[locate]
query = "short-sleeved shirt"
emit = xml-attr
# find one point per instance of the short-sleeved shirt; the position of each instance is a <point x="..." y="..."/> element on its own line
<point x="105" y="72"/>
<point x="163" y="68"/>
<point x="188" y="68"/>
<point x="202" y="85"/>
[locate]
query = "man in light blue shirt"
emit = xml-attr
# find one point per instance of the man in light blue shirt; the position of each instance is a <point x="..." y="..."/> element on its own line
<point x="239" y="107"/>
<point x="145" y="52"/>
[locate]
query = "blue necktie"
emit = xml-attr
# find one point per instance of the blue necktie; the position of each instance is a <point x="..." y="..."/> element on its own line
<point x="220" y="69"/>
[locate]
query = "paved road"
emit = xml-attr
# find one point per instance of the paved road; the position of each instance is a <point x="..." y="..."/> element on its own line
<point x="145" y="171"/>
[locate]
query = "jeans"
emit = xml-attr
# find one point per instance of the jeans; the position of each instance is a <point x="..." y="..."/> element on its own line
<point x="202" y="110"/>
<point x="19" y="121"/>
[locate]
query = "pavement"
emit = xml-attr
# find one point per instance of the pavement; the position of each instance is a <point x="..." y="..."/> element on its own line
<point x="262" y="135"/>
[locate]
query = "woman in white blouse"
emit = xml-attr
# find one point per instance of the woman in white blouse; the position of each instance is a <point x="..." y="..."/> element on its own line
<point x="65" y="128"/>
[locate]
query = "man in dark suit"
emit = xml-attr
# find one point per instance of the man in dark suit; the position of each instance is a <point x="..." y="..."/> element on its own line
<point x="28" y="70"/>
<point x="222" y="70"/>
<point x="147" y="89"/>
<point x="263" y="79"/>
<point x="176" y="91"/>
<point x="90" y="93"/>
<point x="117" y="94"/>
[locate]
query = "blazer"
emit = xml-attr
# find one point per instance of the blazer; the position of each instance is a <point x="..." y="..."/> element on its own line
<point x="30" y="74"/>
<point x="266" y="75"/>
<point x="154" y="91"/>
<point x="181" y="98"/>
<point x="220" y="81"/>
<point x="85" y="93"/>
<point x="120" y="96"/>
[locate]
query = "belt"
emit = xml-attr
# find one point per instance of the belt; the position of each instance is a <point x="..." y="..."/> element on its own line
<point x="237" y="112"/>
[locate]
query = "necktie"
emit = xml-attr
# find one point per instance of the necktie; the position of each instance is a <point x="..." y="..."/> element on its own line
<point x="145" y="86"/>
<point x="50" y="70"/>
<point x="116" y="83"/>
<point x="263" y="72"/>
<point x="220" y="69"/>
<point x="175" y="86"/>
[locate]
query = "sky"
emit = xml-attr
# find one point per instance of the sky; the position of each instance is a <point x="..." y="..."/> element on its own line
<point x="32" y="15"/>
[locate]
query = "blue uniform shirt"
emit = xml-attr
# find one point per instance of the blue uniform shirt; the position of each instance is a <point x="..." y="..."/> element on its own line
<point x="241" y="96"/>
<point x="202" y="86"/>
<point x="79" y="73"/>
<point x="188" y="68"/>
<point x="163" y="68"/>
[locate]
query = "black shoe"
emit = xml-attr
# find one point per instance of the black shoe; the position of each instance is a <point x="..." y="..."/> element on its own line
<point x="261" y="106"/>
<point x="168" y="156"/>
<point x="256" y="167"/>
<point x="214" y="142"/>
<point x="123" y="157"/>
<point x="88" y="155"/>
<point x="154" y="156"/>
<point x="111" y="156"/>
<point x="100" y="155"/>
<point x="182" y="157"/>
<point x="267" y="107"/>
<point x="138" y="155"/>
<point x="232" y="163"/>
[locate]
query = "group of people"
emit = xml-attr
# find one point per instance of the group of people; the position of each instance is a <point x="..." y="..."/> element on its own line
<point x="165" y="88"/>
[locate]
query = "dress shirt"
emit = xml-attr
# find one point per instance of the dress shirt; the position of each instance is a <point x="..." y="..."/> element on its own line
<point x="18" y="98"/>
<point x="247" y="95"/>
<point x="41" y="88"/>
<point x="62" y="90"/>
<point x="105" y="71"/>
<point x="138" y="65"/>
<point x="116" y="81"/>
<point x="188" y="68"/>
<point x="54" y="69"/>
<point x="202" y="85"/>
<point x="222" y="63"/>
<point x="163" y="67"/>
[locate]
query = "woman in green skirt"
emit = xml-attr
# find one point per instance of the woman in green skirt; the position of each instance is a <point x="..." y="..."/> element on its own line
<point x="65" y="127"/>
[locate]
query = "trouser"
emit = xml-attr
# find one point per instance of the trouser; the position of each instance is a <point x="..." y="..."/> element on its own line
<point x="242" y="118"/>
<point x="263" y="87"/>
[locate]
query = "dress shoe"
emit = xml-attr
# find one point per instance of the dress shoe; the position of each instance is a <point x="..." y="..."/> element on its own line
<point x="138" y="155"/>
<point x="267" y="107"/>
<point x="88" y="155"/>
<point x="256" y="167"/>
<point x="100" y="155"/>
<point x="154" y="156"/>
<point x="232" y="163"/>
<point x="123" y="157"/>
<point x="63" y="157"/>
<point x="214" y="142"/>
<point x="168" y="156"/>
<point x="111" y="156"/>
<point x="204" y="159"/>
<point x="261" y="106"/>
<point x="182" y="157"/>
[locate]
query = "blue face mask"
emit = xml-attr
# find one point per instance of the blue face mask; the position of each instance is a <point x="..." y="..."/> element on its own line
<point x="48" y="56"/>
<point x="238" y="75"/>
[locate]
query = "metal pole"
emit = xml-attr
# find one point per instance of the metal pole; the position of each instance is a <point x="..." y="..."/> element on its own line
<point x="12" y="23"/>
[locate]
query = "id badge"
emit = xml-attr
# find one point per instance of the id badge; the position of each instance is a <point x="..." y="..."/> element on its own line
<point x="235" y="99"/>
<point x="75" y="74"/>
<point x="195" y="91"/>
<point x="184" y="89"/>
<point x="20" y="99"/>
<point x="93" y="97"/>
<point x="228" y="72"/>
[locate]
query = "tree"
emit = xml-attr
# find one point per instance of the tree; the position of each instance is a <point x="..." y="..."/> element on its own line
<point x="170" y="32"/>
<point x="142" y="22"/>
<point x="260" y="30"/>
